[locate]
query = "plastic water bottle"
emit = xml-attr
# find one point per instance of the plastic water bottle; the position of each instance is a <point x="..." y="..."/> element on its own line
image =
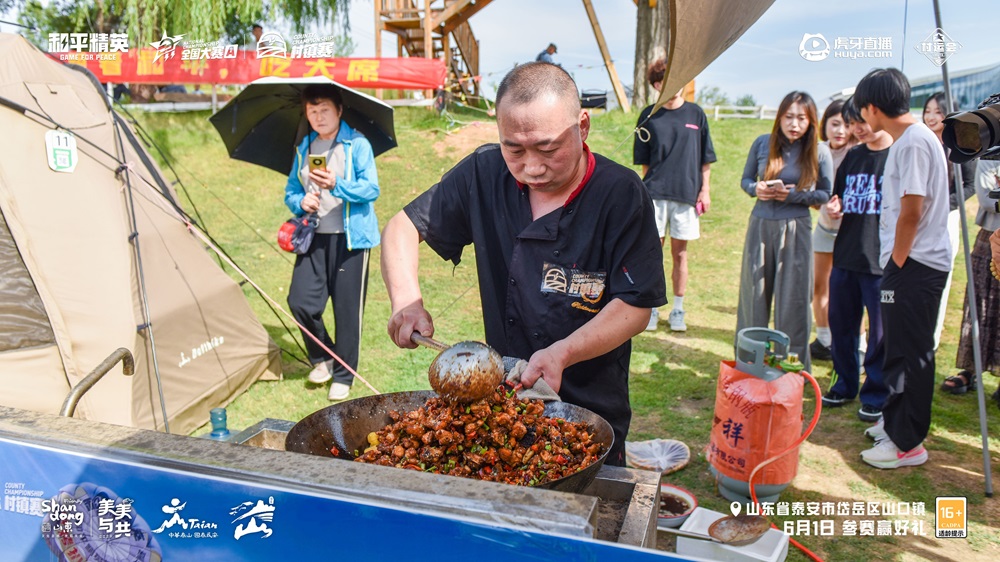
<point x="219" y="430"/>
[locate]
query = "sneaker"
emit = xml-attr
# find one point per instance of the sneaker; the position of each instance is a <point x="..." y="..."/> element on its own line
<point x="877" y="431"/>
<point x="886" y="455"/>
<point x="654" y="319"/>
<point x="834" y="399"/>
<point x="869" y="414"/>
<point x="320" y="373"/>
<point x="339" y="391"/>
<point x="677" y="321"/>
<point x="819" y="351"/>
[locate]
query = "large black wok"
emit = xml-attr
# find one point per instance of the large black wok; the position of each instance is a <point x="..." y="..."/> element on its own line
<point x="346" y="425"/>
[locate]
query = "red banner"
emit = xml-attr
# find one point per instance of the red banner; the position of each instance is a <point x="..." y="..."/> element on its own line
<point x="138" y="66"/>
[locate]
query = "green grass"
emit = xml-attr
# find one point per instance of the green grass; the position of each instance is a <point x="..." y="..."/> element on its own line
<point x="673" y="376"/>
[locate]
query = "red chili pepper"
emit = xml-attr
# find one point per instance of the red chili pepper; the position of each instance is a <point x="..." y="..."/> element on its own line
<point x="560" y="459"/>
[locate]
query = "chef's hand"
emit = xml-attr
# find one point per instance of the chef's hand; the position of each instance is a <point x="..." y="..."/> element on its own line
<point x="323" y="179"/>
<point x="409" y="319"/>
<point x="546" y="363"/>
<point x="310" y="203"/>
<point x="833" y="208"/>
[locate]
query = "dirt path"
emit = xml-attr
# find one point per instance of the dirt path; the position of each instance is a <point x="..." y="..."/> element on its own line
<point x="464" y="140"/>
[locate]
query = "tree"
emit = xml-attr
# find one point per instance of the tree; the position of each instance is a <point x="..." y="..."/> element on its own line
<point x="746" y="100"/>
<point x="652" y="29"/>
<point x="146" y="21"/>
<point x="712" y="95"/>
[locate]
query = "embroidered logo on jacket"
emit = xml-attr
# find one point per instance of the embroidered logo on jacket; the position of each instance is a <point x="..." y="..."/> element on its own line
<point x="586" y="285"/>
<point x="889" y="297"/>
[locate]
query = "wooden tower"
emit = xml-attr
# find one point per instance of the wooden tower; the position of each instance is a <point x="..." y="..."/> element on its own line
<point x="434" y="29"/>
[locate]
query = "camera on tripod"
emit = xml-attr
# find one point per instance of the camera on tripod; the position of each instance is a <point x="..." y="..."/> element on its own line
<point x="975" y="134"/>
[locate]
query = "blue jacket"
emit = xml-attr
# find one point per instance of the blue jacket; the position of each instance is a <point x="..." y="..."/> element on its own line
<point x="358" y="188"/>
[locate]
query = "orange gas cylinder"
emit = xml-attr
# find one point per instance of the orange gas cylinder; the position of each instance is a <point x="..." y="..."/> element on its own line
<point x="758" y="415"/>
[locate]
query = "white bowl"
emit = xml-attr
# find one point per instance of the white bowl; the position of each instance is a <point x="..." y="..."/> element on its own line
<point x="675" y="521"/>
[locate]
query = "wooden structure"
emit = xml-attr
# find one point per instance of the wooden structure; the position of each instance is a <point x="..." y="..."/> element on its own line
<point x="440" y="29"/>
<point x="434" y="29"/>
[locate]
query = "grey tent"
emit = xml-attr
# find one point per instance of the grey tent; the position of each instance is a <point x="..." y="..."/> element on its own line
<point x="71" y="289"/>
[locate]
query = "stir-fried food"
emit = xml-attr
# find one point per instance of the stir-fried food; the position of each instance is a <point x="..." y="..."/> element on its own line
<point x="499" y="438"/>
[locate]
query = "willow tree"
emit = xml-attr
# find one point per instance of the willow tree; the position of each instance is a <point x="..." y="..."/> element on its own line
<point x="147" y="20"/>
<point x="652" y="31"/>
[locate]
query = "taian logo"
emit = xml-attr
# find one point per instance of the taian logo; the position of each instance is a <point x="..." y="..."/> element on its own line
<point x="173" y="510"/>
<point x="165" y="46"/>
<point x="255" y="518"/>
<point x="814" y="47"/>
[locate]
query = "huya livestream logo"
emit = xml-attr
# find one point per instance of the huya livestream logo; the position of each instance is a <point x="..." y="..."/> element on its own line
<point x="814" y="47"/>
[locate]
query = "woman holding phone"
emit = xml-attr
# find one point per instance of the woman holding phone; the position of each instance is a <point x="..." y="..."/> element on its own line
<point x="333" y="176"/>
<point x="788" y="172"/>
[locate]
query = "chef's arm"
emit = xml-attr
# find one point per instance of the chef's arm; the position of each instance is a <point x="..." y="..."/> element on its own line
<point x="400" y="260"/>
<point x="613" y="326"/>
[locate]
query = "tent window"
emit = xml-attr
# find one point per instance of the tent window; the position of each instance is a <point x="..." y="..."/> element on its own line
<point x="23" y="321"/>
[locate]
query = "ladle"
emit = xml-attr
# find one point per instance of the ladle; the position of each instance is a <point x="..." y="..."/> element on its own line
<point x="739" y="530"/>
<point x="464" y="372"/>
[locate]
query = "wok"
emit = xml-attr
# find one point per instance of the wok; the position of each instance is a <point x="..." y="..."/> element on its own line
<point x="346" y="425"/>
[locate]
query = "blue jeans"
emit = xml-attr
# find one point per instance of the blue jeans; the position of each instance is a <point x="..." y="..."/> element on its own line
<point x="851" y="293"/>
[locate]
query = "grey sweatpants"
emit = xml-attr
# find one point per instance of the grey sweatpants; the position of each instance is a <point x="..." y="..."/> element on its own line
<point x="777" y="266"/>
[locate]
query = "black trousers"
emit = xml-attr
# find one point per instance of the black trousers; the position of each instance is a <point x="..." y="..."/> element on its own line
<point x="330" y="270"/>
<point x="910" y="299"/>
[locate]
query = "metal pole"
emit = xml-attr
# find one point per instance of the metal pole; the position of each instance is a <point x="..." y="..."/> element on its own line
<point x="143" y="294"/>
<point x="970" y="285"/>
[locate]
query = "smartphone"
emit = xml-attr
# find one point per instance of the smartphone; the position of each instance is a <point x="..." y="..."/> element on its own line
<point x="699" y="208"/>
<point x="317" y="162"/>
<point x="774" y="184"/>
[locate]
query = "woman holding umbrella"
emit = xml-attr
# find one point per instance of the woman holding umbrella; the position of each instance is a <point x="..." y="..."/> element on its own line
<point x="341" y="193"/>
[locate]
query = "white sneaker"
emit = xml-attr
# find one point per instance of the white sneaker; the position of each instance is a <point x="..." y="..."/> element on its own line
<point x="886" y="455"/>
<point x="677" y="321"/>
<point x="877" y="431"/>
<point x="654" y="319"/>
<point x="320" y="373"/>
<point x="339" y="391"/>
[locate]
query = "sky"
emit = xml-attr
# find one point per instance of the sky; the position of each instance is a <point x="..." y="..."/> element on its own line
<point x="765" y="62"/>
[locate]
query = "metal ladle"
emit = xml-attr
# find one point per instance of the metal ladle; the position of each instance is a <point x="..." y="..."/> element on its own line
<point x="739" y="530"/>
<point x="464" y="372"/>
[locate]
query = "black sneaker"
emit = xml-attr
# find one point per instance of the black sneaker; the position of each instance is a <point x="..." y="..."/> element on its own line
<point x="819" y="351"/>
<point x="869" y="414"/>
<point x="835" y="399"/>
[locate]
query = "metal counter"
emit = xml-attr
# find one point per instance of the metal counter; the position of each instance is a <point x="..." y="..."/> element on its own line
<point x="627" y="499"/>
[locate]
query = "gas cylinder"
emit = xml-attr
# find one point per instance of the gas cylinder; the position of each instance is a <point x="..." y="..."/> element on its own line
<point x="758" y="415"/>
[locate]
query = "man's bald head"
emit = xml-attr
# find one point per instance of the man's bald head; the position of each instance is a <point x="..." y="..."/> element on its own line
<point x="531" y="81"/>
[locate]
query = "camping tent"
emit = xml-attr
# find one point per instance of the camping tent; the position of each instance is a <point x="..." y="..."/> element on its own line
<point x="86" y="251"/>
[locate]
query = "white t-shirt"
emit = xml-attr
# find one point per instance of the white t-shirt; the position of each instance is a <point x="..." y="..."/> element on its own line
<point x="916" y="166"/>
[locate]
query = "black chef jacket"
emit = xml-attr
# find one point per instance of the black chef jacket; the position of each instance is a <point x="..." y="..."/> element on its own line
<point x="541" y="280"/>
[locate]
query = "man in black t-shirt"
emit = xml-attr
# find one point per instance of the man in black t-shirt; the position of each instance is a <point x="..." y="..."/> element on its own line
<point x="675" y="150"/>
<point x="565" y="244"/>
<point x="856" y="274"/>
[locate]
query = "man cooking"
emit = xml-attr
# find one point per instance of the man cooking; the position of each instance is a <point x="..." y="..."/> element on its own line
<point x="567" y="253"/>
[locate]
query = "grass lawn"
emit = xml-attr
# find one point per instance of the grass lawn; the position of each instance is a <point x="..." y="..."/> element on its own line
<point x="673" y="375"/>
